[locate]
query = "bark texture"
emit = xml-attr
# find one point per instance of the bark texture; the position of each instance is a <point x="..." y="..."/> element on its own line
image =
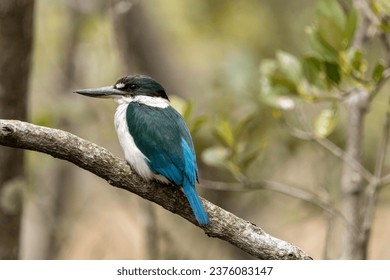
<point x="16" y="36"/>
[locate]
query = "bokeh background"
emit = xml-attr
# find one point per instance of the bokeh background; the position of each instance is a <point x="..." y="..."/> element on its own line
<point x="207" y="56"/>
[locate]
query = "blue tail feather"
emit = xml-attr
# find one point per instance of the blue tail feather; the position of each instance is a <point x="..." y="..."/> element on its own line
<point x="195" y="203"/>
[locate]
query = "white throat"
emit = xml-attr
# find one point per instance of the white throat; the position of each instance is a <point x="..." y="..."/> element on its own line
<point x="151" y="101"/>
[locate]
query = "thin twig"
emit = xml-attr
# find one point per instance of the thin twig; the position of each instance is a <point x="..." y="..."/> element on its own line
<point x="384" y="181"/>
<point x="371" y="193"/>
<point x="295" y="192"/>
<point x="337" y="151"/>
<point x="292" y="191"/>
<point x="328" y="234"/>
<point x="331" y="147"/>
<point x="361" y="36"/>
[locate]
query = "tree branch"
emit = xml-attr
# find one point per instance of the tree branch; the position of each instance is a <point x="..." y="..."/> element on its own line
<point x="371" y="195"/>
<point x="116" y="172"/>
<point x="385" y="180"/>
<point x="361" y="36"/>
<point x="291" y="191"/>
<point x="356" y="104"/>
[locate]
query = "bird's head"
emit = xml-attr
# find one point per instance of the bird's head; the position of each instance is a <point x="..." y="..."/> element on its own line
<point x="128" y="87"/>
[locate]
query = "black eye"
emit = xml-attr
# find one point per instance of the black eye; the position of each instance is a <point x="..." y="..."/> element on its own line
<point x="132" y="86"/>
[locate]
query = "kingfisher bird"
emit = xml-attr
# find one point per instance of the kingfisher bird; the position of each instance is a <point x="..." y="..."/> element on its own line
<point x="154" y="138"/>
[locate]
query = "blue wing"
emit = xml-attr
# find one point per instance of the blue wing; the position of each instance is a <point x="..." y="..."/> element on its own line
<point x="163" y="137"/>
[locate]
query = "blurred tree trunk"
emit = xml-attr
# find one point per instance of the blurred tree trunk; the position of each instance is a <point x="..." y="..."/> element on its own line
<point x="352" y="184"/>
<point x="47" y="205"/>
<point x="16" y="38"/>
<point x="352" y="181"/>
<point x="64" y="172"/>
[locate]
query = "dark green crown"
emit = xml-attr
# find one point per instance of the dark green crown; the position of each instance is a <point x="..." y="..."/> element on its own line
<point x="140" y="85"/>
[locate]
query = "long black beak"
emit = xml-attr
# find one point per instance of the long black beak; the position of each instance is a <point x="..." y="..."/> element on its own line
<point x="102" y="92"/>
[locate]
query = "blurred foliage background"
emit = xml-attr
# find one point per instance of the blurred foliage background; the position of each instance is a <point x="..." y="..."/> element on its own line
<point x="213" y="50"/>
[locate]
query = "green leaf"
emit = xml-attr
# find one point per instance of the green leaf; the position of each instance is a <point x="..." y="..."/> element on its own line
<point x="356" y="60"/>
<point x="278" y="101"/>
<point x="331" y="32"/>
<point x="250" y="157"/>
<point x="273" y="91"/>
<point x="308" y="92"/>
<point x="385" y="27"/>
<point x="215" y="156"/>
<point x="377" y="73"/>
<point x="311" y="67"/>
<point x="333" y="10"/>
<point x="273" y="79"/>
<point x="197" y="123"/>
<point x="325" y="122"/>
<point x="289" y="65"/>
<point x="333" y="25"/>
<point x="233" y="168"/>
<point x="320" y="47"/>
<point x="350" y="26"/>
<point x="352" y="61"/>
<point x="383" y="6"/>
<point x="224" y="134"/>
<point x="187" y="110"/>
<point x="332" y="71"/>
<point x="243" y="124"/>
<point x="286" y="85"/>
